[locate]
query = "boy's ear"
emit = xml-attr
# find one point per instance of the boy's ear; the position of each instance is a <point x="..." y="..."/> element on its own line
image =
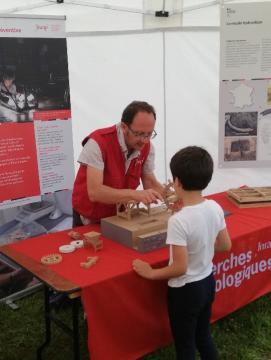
<point x="177" y="182"/>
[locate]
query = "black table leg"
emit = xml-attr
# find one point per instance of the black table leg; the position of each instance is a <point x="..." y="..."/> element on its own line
<point x="47" y="319"/>
<point x="75" y="328"/>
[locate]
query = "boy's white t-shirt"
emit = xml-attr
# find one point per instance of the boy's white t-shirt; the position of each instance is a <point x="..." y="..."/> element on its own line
<point x="195" y="227"/>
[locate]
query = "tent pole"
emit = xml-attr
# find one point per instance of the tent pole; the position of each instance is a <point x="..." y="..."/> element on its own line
<point x="27" y="7"/>
<point x="165" y="106"/>
<point x="110" y="7"/>
<point x="141" y="31"/>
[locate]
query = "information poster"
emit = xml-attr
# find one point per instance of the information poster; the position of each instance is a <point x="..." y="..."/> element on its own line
<point x="36" y="152"/>
<point x="245" y="86"/>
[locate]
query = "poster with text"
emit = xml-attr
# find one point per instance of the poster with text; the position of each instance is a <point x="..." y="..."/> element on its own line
<point x="36" y="152"/>
<point x="245" y="86"/>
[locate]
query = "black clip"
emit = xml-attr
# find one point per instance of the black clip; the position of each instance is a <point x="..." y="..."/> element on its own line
<point x="161" y="13"/>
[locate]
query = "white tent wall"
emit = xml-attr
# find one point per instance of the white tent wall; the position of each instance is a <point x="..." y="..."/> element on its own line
<point x="192" y="90"/>
<point x="108" y="71"/>
<point x="112" y="71"/>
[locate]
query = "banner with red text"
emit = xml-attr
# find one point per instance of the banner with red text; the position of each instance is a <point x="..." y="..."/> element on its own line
<point x="36" y="152"/>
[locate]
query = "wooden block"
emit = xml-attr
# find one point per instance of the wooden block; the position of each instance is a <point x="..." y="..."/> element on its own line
<point x="74" y="235"/>
<point x="91" y="260"/>
<point x="98" y="246"/>
<point x="91" y="235"/>
<point x="51" y="259"/>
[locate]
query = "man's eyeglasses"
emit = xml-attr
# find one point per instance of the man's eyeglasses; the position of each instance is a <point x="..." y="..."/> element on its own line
<point x="143" y="135"/>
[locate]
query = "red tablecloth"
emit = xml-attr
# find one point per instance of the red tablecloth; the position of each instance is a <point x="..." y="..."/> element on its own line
<point x="127" y="315"/>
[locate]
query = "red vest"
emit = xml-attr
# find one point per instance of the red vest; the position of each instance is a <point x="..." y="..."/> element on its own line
<point x="113" y="175"/>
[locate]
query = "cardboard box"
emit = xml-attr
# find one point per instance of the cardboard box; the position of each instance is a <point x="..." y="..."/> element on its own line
<point x="142" y="232"/>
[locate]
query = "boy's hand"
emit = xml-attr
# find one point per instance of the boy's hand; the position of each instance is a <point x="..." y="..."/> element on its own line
<point x="143" y="269"/>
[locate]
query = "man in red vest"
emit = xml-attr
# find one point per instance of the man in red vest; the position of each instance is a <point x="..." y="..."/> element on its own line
<point x="112" y="162"/>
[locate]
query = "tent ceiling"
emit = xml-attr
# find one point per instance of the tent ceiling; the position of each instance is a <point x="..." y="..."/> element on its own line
<point x="99" y="15"/>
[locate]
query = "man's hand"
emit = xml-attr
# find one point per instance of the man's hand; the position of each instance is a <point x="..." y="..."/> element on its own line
<point x="99" y="192"/>
<point x="143" y="269"/>
<point x="147" y="196"/>
<point x="149" y="181"/>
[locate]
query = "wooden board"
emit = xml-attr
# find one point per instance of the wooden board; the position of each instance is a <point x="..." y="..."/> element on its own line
<point x="250" y="196"/>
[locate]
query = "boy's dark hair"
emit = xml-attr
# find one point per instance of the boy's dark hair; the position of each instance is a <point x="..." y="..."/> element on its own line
<point x="135" y="107"/>
<point x="193" y="166"/>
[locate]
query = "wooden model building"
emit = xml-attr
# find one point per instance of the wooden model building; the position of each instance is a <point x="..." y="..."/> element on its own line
<point x="92" y="239"/>
<point x="128" y="210"/>
<point x="171" y="197"/>
<point x="141" y="228"/>
<point x="250" y="196"/>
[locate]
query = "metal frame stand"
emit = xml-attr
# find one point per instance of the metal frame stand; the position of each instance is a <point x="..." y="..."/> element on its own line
<point x="49" y="317"/>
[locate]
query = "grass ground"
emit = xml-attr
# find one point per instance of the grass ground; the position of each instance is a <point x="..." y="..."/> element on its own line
<point x="244" y="335"/>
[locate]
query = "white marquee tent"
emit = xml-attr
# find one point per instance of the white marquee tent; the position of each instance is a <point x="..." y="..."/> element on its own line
<point x="113" y="61"/>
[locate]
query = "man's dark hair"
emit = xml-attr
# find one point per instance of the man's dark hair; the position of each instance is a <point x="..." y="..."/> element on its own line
<point x="9" y="75"/>
<point x="193" y="166"/>
<point x="135" y="107"/>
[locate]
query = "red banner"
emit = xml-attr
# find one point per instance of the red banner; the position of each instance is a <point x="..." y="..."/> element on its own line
<point x="18" y="162"/>
<point x="52" y="115"/>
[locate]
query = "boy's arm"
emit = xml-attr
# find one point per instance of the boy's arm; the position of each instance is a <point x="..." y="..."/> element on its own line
<point x="223" y="241"/>
<point x="177" y="268"/>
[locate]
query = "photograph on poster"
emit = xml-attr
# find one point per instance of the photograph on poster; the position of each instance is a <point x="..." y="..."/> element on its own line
<point x="269" y="94"/>
<point x="241" y="123"/>
<point x="33" y="77"/>
<point x="240" y="148"/>
<point x="52" y="213"/>
<point x="13" y="278"/>
<point x="265" y="128"/>
<point x="264" y="135"/>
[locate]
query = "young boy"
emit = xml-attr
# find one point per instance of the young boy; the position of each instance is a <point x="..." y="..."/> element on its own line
<point x="194" y="233"/>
